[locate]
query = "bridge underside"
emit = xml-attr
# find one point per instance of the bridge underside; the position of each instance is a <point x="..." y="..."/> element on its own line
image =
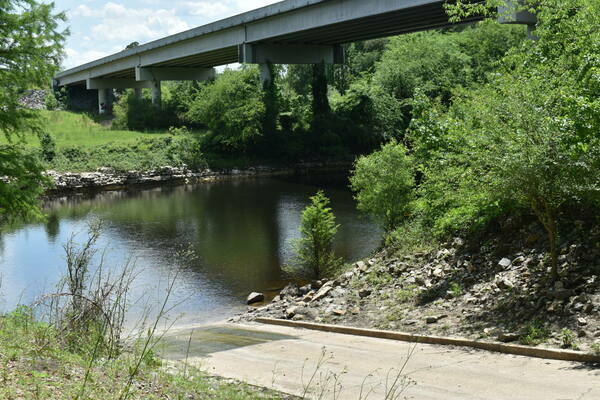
<point x="289" y="32"/>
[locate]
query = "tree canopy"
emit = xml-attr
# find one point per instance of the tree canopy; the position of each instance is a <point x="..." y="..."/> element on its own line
<point x="30" y="53"/>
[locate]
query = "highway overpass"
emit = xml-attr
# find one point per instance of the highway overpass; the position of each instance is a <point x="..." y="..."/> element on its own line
<point x="288" y="32"/>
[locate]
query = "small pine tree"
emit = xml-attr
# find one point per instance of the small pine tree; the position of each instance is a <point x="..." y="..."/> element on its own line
<point x="318" y="228"/>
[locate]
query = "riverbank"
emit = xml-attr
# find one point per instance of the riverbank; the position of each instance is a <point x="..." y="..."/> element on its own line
<point x="491" y="290"/>
<point x="35" y="364"/>
<point x="110" y="179"/>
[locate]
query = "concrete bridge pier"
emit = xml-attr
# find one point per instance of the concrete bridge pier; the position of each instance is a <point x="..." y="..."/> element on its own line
<point x="156" y="93"/>
<point x="138" y="93"/>
<point x="102" y="101"/>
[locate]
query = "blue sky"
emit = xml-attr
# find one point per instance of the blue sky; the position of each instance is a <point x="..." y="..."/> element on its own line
<point x="99" y="28"/>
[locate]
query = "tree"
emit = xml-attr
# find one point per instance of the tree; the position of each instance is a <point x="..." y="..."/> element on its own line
<point x="384" y="184"/>
<point x="232" y="107"/>
<point x="318" y="229"/>
<point x="30" y="53"/>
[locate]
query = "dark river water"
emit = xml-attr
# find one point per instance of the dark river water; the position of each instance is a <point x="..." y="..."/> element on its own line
<point x="240" y="233"/>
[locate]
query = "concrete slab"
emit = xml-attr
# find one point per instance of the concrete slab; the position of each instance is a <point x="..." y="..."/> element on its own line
<point x="286" y="358"/>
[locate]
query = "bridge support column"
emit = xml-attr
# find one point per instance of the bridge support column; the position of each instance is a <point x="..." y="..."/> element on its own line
<point x="266" y="76"/>
<point x="138" y="93"/>
<point x="156" y="93"/>
<point x="102" y="101"/>
<point x="514" y="13"/>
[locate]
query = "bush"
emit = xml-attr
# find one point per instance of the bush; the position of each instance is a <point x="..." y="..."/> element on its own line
<point x="384" y="184"/>
<point x="140" y="114"/>
<point x="48" y="146"/>
<point x="318" y="228"/>
<point x="232" y="108"/>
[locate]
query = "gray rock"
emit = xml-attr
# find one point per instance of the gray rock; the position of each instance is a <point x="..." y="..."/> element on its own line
<point x="362" y="293"/>
<point x="508" y="337"/>
<point x="291" y="311"/>
<point x="291" y="290"/>
<point x="255" y="297"/>
<point x="504" y="263"/>
<point x="582" y="321"/>
<point x="431" y="319"/>
<point x="323" y="292"/>
<point x="362" y="266"/>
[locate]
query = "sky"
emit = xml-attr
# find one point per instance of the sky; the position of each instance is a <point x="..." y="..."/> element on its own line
<point x="99" y="28"/>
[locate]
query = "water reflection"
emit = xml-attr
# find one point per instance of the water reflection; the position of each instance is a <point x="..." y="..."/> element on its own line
<point x="240" y="232"/>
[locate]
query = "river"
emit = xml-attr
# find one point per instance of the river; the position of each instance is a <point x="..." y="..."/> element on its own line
<point x="239" y="233"/>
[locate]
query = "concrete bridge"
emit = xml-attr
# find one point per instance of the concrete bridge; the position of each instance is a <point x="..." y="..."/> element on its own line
<point x="288" y="32"/>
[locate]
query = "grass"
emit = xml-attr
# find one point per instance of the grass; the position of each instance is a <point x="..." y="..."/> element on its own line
<point x="83" y="144"/>
<point x="35" y="365"/>
<point x="73" y="129"/>
<point x="536" y="332"/>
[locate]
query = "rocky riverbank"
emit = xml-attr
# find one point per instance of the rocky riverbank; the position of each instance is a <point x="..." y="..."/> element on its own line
<point x="497" y="291"/>
<point x="109" y="179"/>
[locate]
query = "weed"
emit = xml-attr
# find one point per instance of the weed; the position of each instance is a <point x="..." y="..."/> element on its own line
<point x="595" y="349"/>
<point x="536" y="332"/>
<point x="456" y="289"/>
<point x="568" y="338"/>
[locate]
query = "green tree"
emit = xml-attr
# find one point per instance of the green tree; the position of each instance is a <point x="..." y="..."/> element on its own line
<point x="318" y="229"/>
<point x="384" y="184"/>
<point x="232" y="107"/>
<point x="30" y="53"/>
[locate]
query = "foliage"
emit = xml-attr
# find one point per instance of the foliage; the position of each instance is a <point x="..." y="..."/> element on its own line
<point x="232" y="108"/>
<point x="48" y="145"/>
<point x="536" y="332"/>
<point x="318" y="229"/>
<point x="30" y="52"/>
<point x="22" y="183"/>
<point x="36" y="365"/>
<point x="140" y="114"/>
<point x="384" y="184"/>
<point x="524" y="142"/>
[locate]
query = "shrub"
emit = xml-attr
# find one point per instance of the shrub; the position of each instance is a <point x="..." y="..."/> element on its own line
<point x="140" y="114"/>
<point x="384" y="184"/>
<point x="318" y="229"/>
<point x="48" y="146"/>
<point x="232" y="108"/>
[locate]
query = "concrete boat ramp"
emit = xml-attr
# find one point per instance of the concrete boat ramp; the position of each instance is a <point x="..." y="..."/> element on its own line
<point x="334" y="366"/>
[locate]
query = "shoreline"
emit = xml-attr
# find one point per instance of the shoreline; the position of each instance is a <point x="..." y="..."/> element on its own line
<point x="106" y="179"/>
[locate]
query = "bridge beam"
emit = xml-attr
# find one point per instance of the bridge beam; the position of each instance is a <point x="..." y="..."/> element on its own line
<point x="174" y="74"/>
<point x="252" y="53"/>
<point x="514" y="12"/>
<point x="107" y="83"/>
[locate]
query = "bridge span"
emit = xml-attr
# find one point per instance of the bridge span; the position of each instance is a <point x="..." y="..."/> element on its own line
<point x="288" y="32"/>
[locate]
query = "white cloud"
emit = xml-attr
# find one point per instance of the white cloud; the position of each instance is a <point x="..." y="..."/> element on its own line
<point x="75" y="58"/>
<point x="117" y="22"/>
<point x="99" y="28"/>
<point x="206" y="9"/>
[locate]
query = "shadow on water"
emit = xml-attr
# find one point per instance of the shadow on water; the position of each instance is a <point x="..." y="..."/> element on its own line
<point x="204" y="341"/>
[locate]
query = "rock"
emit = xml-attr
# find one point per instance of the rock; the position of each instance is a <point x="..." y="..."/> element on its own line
<point x="291" y="311"/>
<point x="505" y="263"/>
<point x="438" y="272"/>
<point x="298" y="317"/>
<point x="316" y="285"/>
<point x="339" y="312"/>
<point x="508" y="337"/>
<point x="308" y="297"/>
<point x="277" y="299"/>
<point x="291" y="290"/>
<point x="409" y="322"/>
<point x="255" y="297"/>
<point x="505" y="284"/>
<point x="362" y="293"/>
<point x="324" y="291"/>
<point x="362" y="266"/>
<point x="582" y="321"/>
<point x="431" y="319"/>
